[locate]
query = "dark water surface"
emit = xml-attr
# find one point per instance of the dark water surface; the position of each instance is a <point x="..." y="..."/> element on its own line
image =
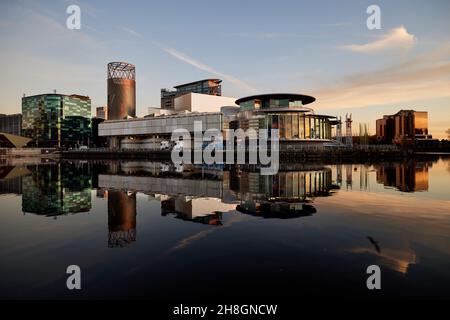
<point x="146" y="230"/>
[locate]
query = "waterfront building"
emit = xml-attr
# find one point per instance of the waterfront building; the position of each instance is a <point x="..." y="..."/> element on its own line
<point x="12" y="141"/>
<point x="57" y="120"/>
<point x="406" y="127"/>
<point x="211" y="87"/>
<point x="11" y="123"/>
<point x="287" y="113"/>
<point x="101" y="112"/>
<point x="146" y="133"/>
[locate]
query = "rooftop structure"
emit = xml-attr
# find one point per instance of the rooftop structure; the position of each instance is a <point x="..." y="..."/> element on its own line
<point x="207" y="86"/>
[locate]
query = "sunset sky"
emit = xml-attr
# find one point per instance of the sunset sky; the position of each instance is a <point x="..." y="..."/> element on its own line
<point x="320" y="48"/>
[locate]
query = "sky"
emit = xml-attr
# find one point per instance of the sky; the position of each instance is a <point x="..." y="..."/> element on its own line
<point x="319" y="48"/>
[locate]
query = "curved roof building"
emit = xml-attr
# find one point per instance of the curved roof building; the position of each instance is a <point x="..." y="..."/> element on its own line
<point x="286" y="112"/>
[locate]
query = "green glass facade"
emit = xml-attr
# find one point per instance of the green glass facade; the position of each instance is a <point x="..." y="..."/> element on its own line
<point x="56" y="120"/>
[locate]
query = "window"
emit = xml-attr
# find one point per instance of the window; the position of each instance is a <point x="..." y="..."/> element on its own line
<point x="301" y="126"/>
<point x="307" y="128"/>
<point x="288" y="125"/>
<point x="295" y="126"/>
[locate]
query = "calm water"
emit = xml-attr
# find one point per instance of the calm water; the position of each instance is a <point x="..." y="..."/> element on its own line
<point x="146" y="230"/>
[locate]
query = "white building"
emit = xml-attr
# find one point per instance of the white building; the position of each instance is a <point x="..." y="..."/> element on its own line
<point x="198" y="102"/>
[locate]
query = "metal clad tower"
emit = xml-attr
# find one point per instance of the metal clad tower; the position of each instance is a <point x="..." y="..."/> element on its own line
<point x="121" y="90"/>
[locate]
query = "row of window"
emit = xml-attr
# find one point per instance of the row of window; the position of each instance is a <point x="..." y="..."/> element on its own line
<point x="299" y="126"/>
<point x="270" y="103"/>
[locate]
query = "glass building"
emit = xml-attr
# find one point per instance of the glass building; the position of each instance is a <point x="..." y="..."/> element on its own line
<point x="57" y="120"/>
<point x="287" y="113"/>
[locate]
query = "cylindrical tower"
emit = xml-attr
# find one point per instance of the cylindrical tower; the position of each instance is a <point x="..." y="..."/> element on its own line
<point x="121" y="90"/>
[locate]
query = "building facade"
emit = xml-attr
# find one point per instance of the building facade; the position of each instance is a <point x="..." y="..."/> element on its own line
<point x="198" y="102"/>
<point x="57" y="120"/>
<point x="403" y="128"/>
<point x="211" y="87"/>
<point x="11" y="123"/>
<point x="288" y="114"/>
<point x="147" y="133"/>
<point x="121" y="91"/>
<point x="101" y="112"/>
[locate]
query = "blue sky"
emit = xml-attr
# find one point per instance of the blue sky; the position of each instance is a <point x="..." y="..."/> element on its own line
<point x="322" y="48"/>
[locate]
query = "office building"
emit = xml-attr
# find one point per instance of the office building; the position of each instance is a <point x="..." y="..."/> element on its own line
<point x="11" y="123"/>
<point x="403" y="128"/>
<point x="198" y="102"/>
<point x="101" y="113"/>
<point x="57" y="120"/>
<point x="211" y="87"/>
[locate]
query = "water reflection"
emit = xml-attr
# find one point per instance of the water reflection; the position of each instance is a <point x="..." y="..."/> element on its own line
<point x="121" y="218"/>
<point x="343" y="215"/>
<point x="193" y="193"/>
<point x="284" y="195"/>
<point x="409" y="176"/>
<point x="57" y="189"/>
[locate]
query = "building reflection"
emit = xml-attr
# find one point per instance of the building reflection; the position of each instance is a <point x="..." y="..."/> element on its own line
<point x="284" y="195"/>
<point x="11" y="179"/>
<point x="200" y="210"/>
<point x="411" y="176"/>
<point x="57" y="188"/>
<point x="121" y="218"/>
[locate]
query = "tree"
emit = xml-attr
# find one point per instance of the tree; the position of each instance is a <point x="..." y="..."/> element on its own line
<point x="448" y="133"/>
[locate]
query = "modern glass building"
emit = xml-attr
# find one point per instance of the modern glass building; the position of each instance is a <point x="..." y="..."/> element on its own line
<point x="287" y="113"/>
<point x="57" y="120"/>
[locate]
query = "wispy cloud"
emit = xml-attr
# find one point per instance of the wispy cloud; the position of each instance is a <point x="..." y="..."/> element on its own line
<point x="132" y="32"/>
<point x="269" y="35"/>
<point x="199" y="65"/>
<point x="423" y="77"/>
<point x="396" y="39"/>
<point x="335" y="25"/>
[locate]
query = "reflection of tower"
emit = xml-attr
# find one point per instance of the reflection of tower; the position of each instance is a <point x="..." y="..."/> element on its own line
<point x="348" y="172"/>
<point x="363" y="177"/>
<point x="339" y="130"/>
<point x="121" y="218"/>
<point x="339" y="174"/>
<point x="348" y="130"/>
